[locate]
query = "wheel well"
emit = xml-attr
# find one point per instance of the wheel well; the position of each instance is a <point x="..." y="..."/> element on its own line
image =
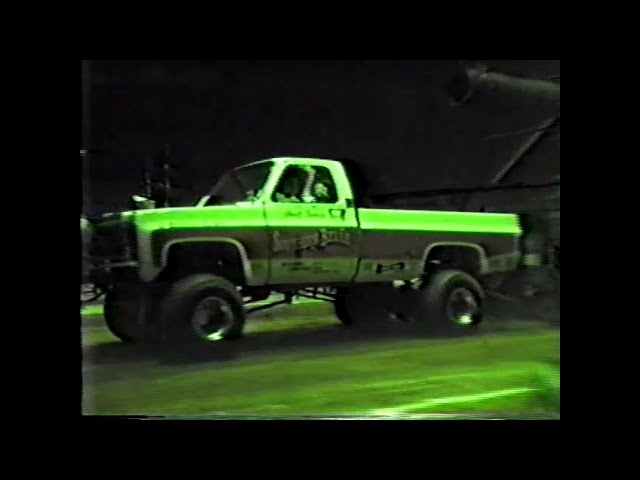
<point x="190" y="258"/>
<point x="461" y="257"/>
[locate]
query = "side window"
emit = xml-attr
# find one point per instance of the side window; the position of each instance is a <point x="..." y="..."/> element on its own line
<point x="291" y="185"/>
<point x="321" y="188"/>
<point x="300" y="184"/>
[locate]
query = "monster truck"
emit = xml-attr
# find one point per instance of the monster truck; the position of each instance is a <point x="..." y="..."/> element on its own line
<point x="298" y="226"/>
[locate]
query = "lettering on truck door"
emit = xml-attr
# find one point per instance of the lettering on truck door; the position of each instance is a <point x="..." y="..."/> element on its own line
<point x="314" y="232"/>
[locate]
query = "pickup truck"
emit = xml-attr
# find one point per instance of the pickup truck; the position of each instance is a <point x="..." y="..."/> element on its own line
<point x="299" y="226"/>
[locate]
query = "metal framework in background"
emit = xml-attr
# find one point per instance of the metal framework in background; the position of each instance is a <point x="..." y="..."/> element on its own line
<point x="477" y="80"/>
<point x="527" y="146"/>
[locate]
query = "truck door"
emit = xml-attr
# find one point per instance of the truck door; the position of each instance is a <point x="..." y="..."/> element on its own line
<point x="313" y="227"/>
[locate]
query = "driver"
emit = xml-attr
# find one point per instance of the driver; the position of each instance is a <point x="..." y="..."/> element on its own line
<point x="321" y="192"/>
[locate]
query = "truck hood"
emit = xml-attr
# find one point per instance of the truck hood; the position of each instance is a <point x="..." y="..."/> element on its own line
<point x="246" y="215"/>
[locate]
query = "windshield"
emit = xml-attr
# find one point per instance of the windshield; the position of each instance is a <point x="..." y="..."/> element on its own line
<point x="241" y="185"/>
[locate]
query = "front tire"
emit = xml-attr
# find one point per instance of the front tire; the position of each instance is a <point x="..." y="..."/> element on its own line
<point x="202" y="308"/>
<point x="122" y="314"/>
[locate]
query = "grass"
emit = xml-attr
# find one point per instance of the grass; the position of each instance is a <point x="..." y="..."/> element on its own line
<point x="503" y="373"/>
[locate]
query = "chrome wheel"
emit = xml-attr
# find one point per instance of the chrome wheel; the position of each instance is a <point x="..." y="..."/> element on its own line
<point x="212" y="317"/>
<point x="462" y="307"/>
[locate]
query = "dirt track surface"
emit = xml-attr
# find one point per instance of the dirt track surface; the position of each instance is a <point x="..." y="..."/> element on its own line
<point x="299" y="360"/>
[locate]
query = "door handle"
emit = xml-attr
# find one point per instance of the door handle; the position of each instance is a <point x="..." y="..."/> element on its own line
<point x="337" y="212"/>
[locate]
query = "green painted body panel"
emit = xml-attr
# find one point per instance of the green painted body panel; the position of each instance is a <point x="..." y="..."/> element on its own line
<point x="436" y="221"/>
<point x="293" y="216"/>
<point x="250" y="215"/>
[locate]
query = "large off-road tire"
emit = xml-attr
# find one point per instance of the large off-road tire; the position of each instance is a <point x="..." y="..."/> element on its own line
<point x="89" y="293"/>
<point x="200" y="308"/>
<point x="121" y="314"/>
<point x="452" y="301"/>
<point x="363" y="305"/>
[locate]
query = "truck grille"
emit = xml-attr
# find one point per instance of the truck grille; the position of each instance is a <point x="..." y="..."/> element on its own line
<point x="113" y="240"/>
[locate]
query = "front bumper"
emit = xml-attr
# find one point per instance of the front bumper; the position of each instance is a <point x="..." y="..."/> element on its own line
<point x="106" y="274"/>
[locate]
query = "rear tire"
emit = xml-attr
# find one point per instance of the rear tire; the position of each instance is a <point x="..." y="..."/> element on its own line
<point x="202" y="308"/>
<point x="452" y="302"/>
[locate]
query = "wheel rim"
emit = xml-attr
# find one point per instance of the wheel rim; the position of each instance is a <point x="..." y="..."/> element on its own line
<point x="212" y="317"/>
<point x="462" y="307"/>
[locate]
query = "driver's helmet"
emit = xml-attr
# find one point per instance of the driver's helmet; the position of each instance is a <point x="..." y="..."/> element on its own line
<point x="321" y="187"/>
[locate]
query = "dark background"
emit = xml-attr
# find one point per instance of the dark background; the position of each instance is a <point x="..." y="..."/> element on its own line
<point x="391" y="115"/>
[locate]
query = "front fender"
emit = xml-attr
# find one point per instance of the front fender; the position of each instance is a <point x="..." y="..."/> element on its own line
<point x="160" y="261"/>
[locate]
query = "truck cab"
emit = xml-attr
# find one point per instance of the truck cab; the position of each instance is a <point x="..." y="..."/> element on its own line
<point x="309" y="210"/>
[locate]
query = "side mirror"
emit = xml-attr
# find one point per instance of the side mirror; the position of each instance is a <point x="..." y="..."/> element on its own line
<point x="141" y="203"/>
